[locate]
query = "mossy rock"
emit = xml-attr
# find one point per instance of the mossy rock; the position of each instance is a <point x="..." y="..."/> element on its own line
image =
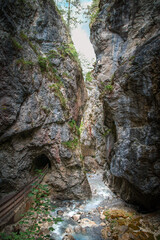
<point x="142" y="236"/>
<point x="132" y="222"/>
<point x="117" y="213"/>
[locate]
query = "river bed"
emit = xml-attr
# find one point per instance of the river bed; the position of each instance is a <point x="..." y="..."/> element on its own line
<point x="84" y="219"/>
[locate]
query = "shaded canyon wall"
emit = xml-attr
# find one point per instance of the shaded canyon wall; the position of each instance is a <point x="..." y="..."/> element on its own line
<point x="126" y="39"/>
<point x="41" y="91"/>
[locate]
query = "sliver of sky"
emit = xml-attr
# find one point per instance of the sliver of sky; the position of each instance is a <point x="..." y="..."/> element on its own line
<point x="80" y="36"/>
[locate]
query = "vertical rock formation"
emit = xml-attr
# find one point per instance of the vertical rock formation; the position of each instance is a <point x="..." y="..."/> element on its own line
<point x="126" y="40"/>
<point x="41" y="91"/>
<point x="93" y="131"/>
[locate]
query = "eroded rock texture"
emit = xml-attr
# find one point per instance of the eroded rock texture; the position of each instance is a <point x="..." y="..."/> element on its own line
<point x="93" y="130"/>
<point x="41" y="90"/>
<point x="126" y="39"/>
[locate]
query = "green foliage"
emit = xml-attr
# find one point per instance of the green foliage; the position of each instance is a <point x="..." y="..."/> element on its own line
<point x="71" y="144"/>
<point x="33" y="47"/>
<point x="106" y="132"/>
<point x="70" y="50"/>
<point x="23" y="36"/>
<point x="131" y="58"/>
<point x="46" y="109"/>
<point x="106" y="89"/>
<point x="58" y="93"/>
<point x="70" y="9"/>
<point x="93" y="11"/>
<point x="77" y="130"/>
<point x="81" y="157"/>
<point x="112" y="77"/>
<point x="25" y="62"/>
<point x="73" y="125"/>
<point x="81" y="127"/>
<point x="65" y="74"/>
<point x="53" y="53"/>
<point x="42" y="61"/>
<point x="82" y="160"/>
<point x="109" y="87"/>
<point x="16" y="44"/>
<point x="89" y="76"/>
<point x="38" y="213"/>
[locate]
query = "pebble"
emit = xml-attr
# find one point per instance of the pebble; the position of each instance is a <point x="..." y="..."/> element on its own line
<point x="78" y="229"/>
<point x="76" y="217"/>
<point x="69" y="230"/>
<point x="60" y="212"/>
<point x="68" y="237"/>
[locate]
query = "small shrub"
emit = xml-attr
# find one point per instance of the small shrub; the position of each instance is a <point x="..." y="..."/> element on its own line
<point x="25" y="62"/>
<point x="33" y="47"/>
<point x="46" y="109"/>
<point x="16" y="44"/>
<point x="65" y="74"/>
<point x="71" y="144"/>
<point x="53" y="54"/>
<point x="58" y="93"/>
<point x="109" y="87"/>
<point x="71" y="51"/>
<point x="93" y="11"/>
<point x="131" y="58"/>
<point x="42" y="61"/>
<point x="73" y="125"/>
<point x="89" y="77"/>
<point x="112" y="77"/>
<point x="23" y="36"/>
<point x="106" y="132"/>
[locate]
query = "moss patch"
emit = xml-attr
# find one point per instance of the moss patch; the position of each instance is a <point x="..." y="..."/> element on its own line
<point x="123" y="224"/>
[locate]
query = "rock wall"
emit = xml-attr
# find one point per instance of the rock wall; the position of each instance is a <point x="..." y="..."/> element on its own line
<point x="93" y="130"/>
<point x="41" y="91"/>
<point x="126" y="40"/>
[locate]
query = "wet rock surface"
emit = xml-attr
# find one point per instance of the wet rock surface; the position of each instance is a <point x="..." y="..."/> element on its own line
<point x="128" y="224"/>
<point x="103" y="217"/>
<point x="42" y="89"/>
<point x="82" y="219"/>
<point x="126" y="40"/>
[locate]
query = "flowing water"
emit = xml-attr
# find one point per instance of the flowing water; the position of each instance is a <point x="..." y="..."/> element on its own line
<point x="83" y="219"/>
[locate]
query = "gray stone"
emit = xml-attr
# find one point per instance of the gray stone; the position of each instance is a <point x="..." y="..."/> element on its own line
<point x="34" y="113"/>
<point x="126" y="40"/>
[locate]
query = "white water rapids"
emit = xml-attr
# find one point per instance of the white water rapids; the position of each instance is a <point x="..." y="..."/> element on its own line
<point x="89" y="224"/>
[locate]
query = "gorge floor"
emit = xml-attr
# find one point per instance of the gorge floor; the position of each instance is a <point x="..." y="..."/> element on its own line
<point x="81" y="219"/>
<point x="90" y="219"/>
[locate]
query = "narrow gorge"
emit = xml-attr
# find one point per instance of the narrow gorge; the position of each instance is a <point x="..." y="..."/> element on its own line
<point x="98" y="139"/>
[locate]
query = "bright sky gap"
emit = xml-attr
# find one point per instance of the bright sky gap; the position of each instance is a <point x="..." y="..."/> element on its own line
<point x="80" y="36"/>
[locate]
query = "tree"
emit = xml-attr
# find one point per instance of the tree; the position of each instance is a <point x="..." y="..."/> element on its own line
<point x="92" y="11"/>
<point x="70" y="9"/>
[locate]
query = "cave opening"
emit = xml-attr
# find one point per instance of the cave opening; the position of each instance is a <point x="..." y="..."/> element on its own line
<point x="40" y="162"/>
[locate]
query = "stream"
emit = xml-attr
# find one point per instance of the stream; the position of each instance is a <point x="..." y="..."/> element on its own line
<point x="83" y="220"/>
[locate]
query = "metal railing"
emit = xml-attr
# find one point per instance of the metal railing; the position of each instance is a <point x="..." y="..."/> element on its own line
<point x="10" y="204"/>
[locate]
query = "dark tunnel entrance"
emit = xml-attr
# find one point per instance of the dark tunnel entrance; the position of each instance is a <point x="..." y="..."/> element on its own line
<point x="40" y="162"/>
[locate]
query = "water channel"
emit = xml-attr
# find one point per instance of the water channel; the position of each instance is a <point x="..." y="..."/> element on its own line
<point x="83" y="219"/>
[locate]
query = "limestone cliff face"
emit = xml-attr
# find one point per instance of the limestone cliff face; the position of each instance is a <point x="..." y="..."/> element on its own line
<point x="126" y="39"/>
<point x="93" y="130"/>
<point x="41" y="90"/>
